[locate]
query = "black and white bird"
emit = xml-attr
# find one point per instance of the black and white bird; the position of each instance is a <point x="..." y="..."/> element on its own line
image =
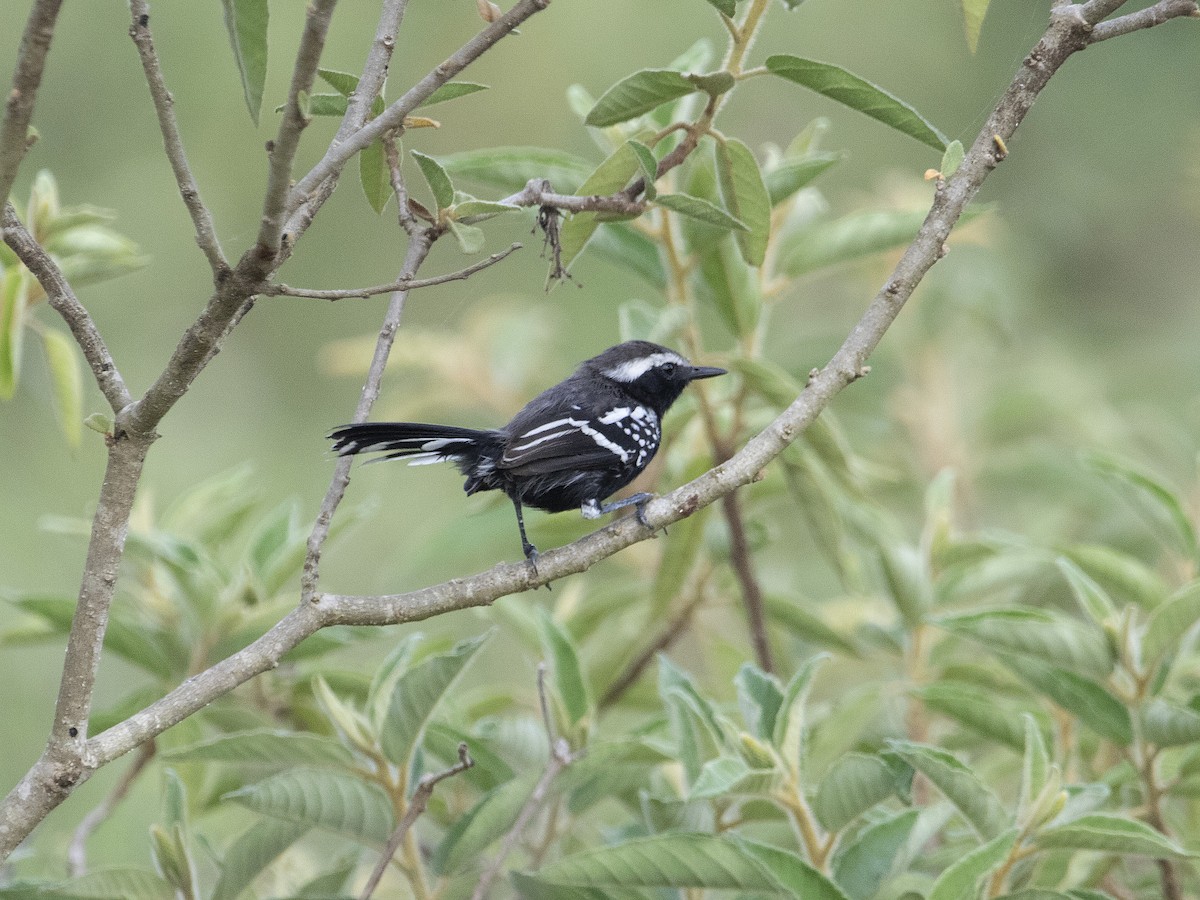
<point x="571" y="446"/>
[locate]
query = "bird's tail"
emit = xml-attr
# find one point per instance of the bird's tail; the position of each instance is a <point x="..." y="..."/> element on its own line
<point x="420" y="444"/>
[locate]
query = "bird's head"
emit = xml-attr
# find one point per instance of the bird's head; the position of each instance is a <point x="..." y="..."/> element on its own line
<point x="653" y="374"/>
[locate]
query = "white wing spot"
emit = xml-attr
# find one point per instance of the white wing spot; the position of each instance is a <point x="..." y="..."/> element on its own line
<point x="614" y="415"/>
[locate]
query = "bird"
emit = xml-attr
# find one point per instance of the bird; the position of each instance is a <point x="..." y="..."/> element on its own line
<point x="572" y="446"/>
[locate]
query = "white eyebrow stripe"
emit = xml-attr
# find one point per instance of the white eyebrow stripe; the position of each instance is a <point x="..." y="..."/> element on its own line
<point x="633" y="369"/>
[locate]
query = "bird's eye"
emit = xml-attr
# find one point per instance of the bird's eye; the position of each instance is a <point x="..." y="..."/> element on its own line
<point x="668" y="368"/>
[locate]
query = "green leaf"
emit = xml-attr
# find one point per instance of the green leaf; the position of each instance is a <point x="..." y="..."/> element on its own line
<point x="608" y="177"/>
<point x="852" y="237"/>
<point x="374" y="176"/>
<point x="128" y="884"/>
<point x="1035" y="768"/>
<point x="844" y="87"/>
<point x="471" y="834"/>
<point x="745" y="196"/>
<point x="1160" y="505"/>
<point x="13" y="299"/>
<point x="907" y="579"/>
<point x="570" y="684"/>
<point x="953" y="156"/>
<point x="962" y="877"/>
<point x="793" y="174"/>
<point x="1168" y="725"/>
<point x="636" y="253"/>
<point x="323" y="798"/>
<point x="511" y="168"/>
<point x="796" y="876"/>
<point x="330" y="883"/>
<point x="1095" y="706"/>
<point x="973" y="14"/>
<point x="760" y="697"/>
<point x="417" y="694"/>
<point x="470" y="239"/>
<point x="171" y="858"/>
<point x="692" y="720"/>
<point x="1111" y="834"/>
<point x="864" y="862"/>
<point x="1125" y="577"/>
<point x="255" y="849"/>
<point x="66" y="381"/>
<point x="649" y="166"/>
<point x="1049" y="637"/>
<point x="791" y="722"/>
<point x="265" y="747"/>
<point x="854" y="783"/>
<point x="246" y="22"/>
<point x="729" y="775"/>
<point x="701" y="210"/>
<point x="679" y="860"/>
<point x="435" y="176"/>
<point x="468" y="212"/>
<point x="727" y="284"/>
<point x="637" y="94"/>
<point x="342" y="82"/>
<point x="325" y="105"/>
<point x="1170" y="622"/>
<point x="809" y="627"/>
<point x="961" y="786"/>
<point x="1092" y="598"/>
<point x="452" y="90"/>
<point x="726" y="7"/>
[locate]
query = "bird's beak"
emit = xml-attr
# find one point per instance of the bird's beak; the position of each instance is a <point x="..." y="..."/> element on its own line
<point x="705" y="372"/>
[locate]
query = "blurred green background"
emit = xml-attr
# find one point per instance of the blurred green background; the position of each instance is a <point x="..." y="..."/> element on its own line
<point x="1064" y="321"/>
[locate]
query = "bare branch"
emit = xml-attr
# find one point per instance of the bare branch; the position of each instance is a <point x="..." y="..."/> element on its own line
<point x="398" y="285"/>
<point x="63" y="301"/>
<point x="416" y="805"/>
<point x="392" y="118"/>
<point x="1145" y="18"/>
<point x="164" y="107"/>
<point x="537" y="192"/>
<point x="743" y="568"/>
<point x="418" y="249"/>
<point x="287" y="141"/>
<point x="374" y="72"/>
<point x="27" y="77"/>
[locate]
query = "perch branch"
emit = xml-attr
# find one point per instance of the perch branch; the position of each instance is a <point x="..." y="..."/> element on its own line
<point x="27" y="77"/>
<point x="164" y="107"/>
<point x="1144" y="18"/>
<point x="537" y="192"/>
<point x="401" y="284"/>
<point x="63" y="301"/>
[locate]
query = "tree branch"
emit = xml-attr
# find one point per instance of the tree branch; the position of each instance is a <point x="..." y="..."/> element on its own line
<point x="416" y="805"/>
<point x="164" y="107"/>
<point x="27" y="77"/>
<point x="401" y="284"/>
<point x="538" y="192"/>
<point x="283" y="149"/>
<point x="63" y="301"/>
<point x="1145" y="18"/>
<point x="392" y="118"/>
<point x="77" y="850"/>
<point x="743" y="568"/>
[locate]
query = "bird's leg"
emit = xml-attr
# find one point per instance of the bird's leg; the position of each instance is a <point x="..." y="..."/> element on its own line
<point x="531" y="552"/>
<point x="594" y="509"/>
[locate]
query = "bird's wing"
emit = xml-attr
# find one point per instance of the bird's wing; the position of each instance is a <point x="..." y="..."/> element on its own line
<point x="552" y="435"/>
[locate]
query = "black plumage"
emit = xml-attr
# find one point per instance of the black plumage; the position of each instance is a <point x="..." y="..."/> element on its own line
<point x="571" y="446"/>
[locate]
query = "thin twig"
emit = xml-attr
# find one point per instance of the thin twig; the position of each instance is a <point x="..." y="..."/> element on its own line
<point x="537" y="193"/>
<point x="743" y="568"/>
<point x="63" y="301"/>
<point x="164" y="107"/>
<point x="416" y="805"/>
<point x="27" y="78"/>
<point x="663" y="641"/>
<point x="287" y="141"/>
<point x="398" y="285"/>
<point x="1144" y="18"/>
<point x="375" y="68"/>
<point x="560" y="757"/>
<point x="77" y="850"/>
<point x="393" y="116"/>
<point x="418" y="249"/>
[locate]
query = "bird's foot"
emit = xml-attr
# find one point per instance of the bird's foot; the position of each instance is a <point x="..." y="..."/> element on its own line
<point x="531" y="556"/>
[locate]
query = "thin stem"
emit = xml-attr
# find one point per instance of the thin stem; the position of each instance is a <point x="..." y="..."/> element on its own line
<point x="743" y="567"/>
<point x="398" y="285"/>
<point x="27" y="78"/>
<point x="416" y="805"/>
<point x="63" y="301"/>
<point x="538" y="192"/>
<point x="1145" y="18"/>
<point x="164" y="107"/>
<point x="418" y="249"/>
<point x="287" y="141"/>
<point x="77" y="850"/>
